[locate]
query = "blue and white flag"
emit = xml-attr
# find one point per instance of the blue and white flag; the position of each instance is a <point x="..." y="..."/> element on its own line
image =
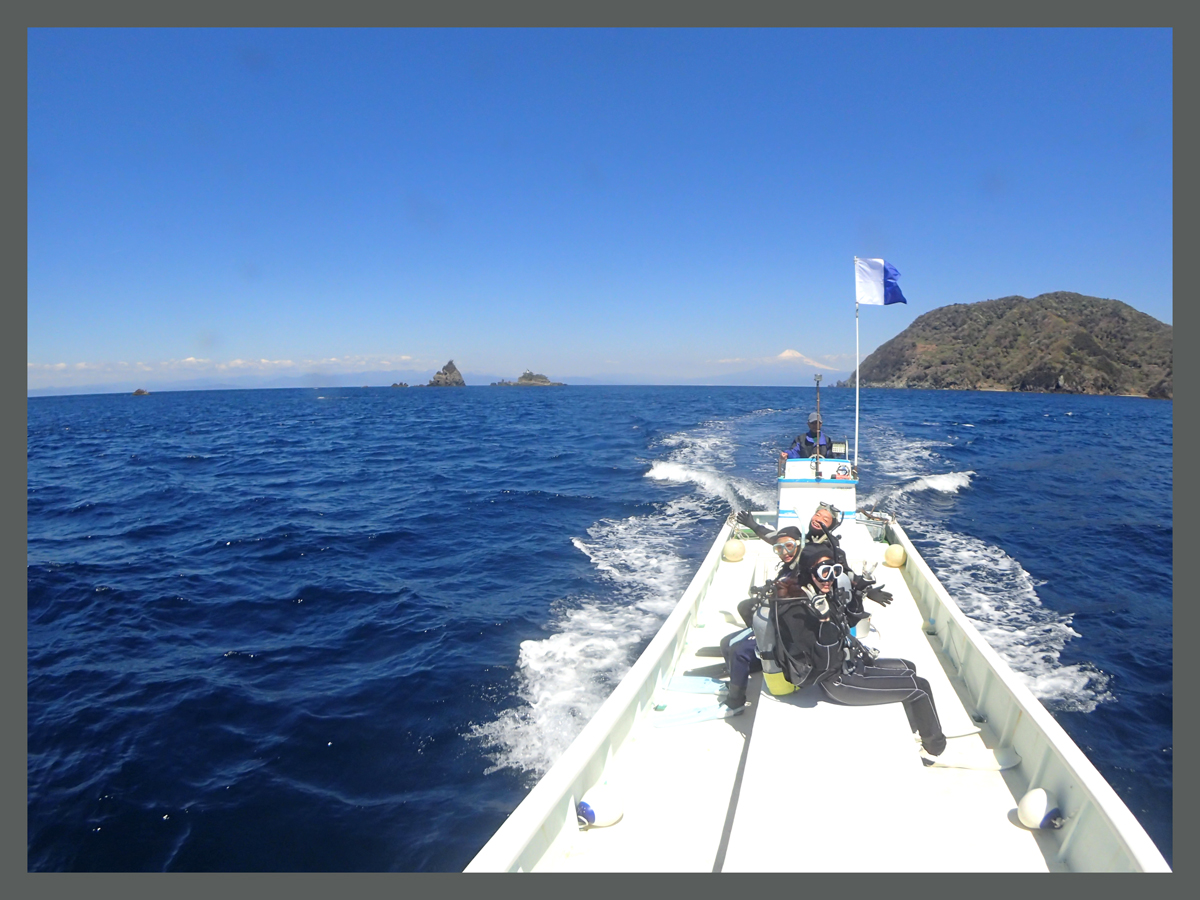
<point x="875" y="282"/>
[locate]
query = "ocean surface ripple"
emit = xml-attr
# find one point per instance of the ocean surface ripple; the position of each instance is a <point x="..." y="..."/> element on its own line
<point x="347" y="629"/>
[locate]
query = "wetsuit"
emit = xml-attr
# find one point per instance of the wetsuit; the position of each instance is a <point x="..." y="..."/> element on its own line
<point x="828" y="539"/>
<point x="888" y="681"/>
<point x="822" y="652"/>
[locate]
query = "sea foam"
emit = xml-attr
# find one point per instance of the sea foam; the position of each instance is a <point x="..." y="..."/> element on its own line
<point x="641" y="572"/>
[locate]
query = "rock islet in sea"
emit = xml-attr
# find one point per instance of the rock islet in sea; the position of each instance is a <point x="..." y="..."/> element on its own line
<point x="449" y="376"/>
<point x="529" y="379"/>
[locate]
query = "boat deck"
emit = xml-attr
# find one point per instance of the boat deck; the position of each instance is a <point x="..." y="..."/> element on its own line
<point x="800" y="783"/>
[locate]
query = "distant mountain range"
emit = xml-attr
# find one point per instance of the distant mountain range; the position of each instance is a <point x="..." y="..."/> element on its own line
<point x="1059" y="342"/>
<point x="381" y="378"/>
<point x="765" y="375"/>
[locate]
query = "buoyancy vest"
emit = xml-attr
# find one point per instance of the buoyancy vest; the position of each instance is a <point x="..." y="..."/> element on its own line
<point x="807" y="649"/>
<point x="806" y="444"/>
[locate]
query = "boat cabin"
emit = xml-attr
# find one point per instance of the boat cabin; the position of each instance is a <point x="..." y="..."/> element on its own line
<point x="806" y="483"/>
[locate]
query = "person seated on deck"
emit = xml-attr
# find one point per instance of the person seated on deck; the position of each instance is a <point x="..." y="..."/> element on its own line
<point x="821" y="527"/>
<point x="825" y="520"/>
<point x="786" y="543"/>
<point x="813" y="645"/>
<point x="739" y="648"/>
<point x="806" y="444"/>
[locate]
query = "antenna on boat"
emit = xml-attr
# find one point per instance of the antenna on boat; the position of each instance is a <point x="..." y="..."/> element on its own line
<point x="817" y="459"/>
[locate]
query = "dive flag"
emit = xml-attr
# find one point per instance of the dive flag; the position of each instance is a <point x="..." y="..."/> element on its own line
<point x="875" y="282"/>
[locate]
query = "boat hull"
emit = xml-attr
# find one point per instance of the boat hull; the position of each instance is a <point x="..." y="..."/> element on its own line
<point x="1098" y="833"/>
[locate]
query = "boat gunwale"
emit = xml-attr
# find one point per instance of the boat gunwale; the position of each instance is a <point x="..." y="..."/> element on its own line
<point x="1104" y="800"/>
<point x="577" y="770"/>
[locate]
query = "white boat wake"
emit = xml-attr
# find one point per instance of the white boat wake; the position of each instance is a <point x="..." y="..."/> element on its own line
<point x="641" y="571"/>
<point x="991" y="587"/>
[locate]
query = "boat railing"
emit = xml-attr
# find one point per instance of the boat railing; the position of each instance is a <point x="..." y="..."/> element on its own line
<point x="1099" y="833"/>
<point x="551" y="805"/>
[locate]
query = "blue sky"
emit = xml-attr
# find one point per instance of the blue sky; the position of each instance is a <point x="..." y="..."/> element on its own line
<point x="613" y="204"/>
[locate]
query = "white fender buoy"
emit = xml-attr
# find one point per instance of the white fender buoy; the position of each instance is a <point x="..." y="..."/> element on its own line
<point x="1038" y="809"/>
<point x="600" y="806"/>
<point x="894" y="556"/>
<point x="734" y="550"/>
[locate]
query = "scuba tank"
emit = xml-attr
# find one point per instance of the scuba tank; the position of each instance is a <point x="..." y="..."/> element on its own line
<point x="764" y="639"/>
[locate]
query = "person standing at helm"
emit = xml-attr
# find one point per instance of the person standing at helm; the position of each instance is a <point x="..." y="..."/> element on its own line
<point x="806" y="444"/>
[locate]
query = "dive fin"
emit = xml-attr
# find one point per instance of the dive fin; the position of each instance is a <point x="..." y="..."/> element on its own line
<point x="959" y="756"/>
<point x="716" y="670"/>
<point x="699" y="714"/>
<point x="691" y="684"/>
<point x="950" y="737"/>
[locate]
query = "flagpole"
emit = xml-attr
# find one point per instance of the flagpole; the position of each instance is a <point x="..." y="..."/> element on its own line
<point x="856" y="365"/>
<point x="856" y="380"/>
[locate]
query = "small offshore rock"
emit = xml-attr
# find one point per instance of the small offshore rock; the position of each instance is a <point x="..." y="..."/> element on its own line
<point x="449" y="376"/>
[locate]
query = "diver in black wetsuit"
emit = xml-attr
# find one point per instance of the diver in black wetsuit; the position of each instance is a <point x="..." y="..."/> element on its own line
<point x="821" y="527"/>
<point x="789" y="532"/>
<point x="825" y="520"/>
<point x="814" y="646"/>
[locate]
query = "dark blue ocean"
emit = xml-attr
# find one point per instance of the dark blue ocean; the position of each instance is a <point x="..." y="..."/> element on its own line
<point x="347" y="629"/>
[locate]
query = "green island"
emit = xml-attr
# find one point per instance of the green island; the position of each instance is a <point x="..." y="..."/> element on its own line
<point x="1059" y="342"/>
<point x="529" y="379"/>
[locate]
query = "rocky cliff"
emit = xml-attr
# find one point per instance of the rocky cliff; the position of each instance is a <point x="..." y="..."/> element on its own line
<point x="449" y="376"/>
<point x="1059" y="342"/>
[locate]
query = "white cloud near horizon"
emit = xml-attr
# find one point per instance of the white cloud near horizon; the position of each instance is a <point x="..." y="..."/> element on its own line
<point x="62" y="374"/>
<point x="787" y="357"/>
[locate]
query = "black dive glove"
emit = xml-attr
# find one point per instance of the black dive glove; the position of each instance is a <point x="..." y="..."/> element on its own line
<point x="865" y="585"/>
<point x="879" y="595"/>
<point x="747" y="521"/>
